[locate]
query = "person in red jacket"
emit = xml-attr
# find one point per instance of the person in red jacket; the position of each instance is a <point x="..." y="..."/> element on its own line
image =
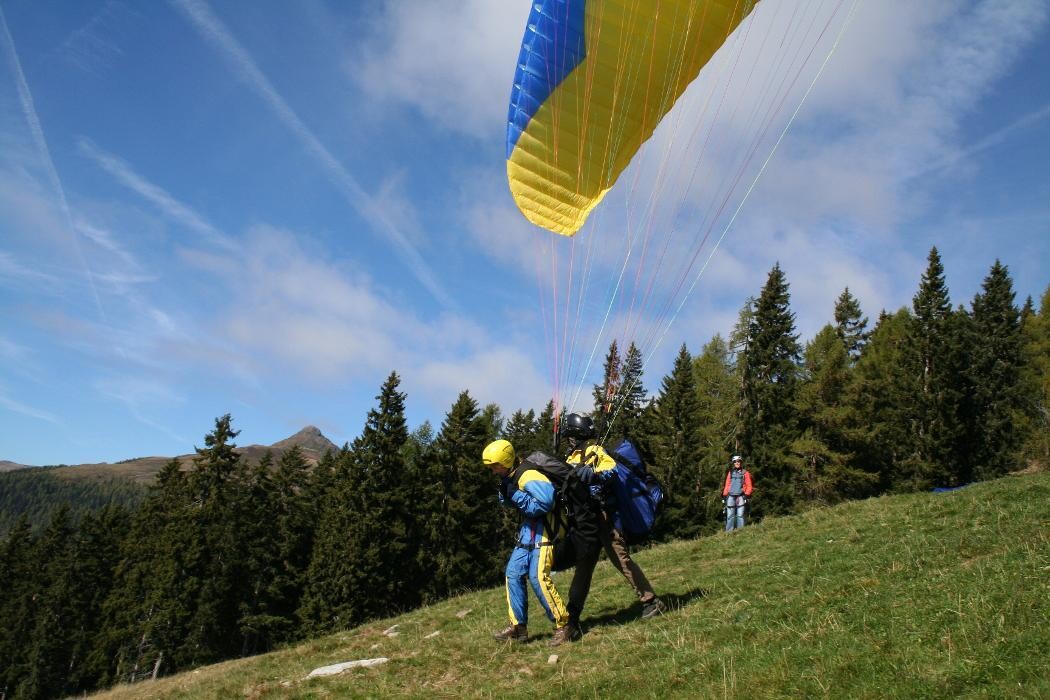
<point x="737" y="492"/>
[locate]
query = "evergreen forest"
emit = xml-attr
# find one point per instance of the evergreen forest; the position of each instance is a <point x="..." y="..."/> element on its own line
<point x="233" y="558"/>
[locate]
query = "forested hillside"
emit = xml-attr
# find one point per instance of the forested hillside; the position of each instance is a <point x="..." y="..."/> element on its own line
<point x="37" y="493"/>
<point x="235" y="557"/>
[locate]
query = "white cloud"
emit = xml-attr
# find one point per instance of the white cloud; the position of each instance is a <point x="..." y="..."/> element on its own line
<point x="315" y="318"/>
<point x="451" y="59"/>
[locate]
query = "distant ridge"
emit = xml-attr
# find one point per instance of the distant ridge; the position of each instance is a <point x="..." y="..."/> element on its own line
<point x="311" y="442"/>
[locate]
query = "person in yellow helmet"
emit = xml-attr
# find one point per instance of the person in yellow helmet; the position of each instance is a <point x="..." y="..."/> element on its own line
<point x="533" y="494"/>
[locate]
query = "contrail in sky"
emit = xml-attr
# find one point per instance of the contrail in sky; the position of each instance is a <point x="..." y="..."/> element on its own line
<point x="29" y="111"/>
<point x="987" y="142"/>
<point x="214" y="32"/>
<point x="157" y="195"/>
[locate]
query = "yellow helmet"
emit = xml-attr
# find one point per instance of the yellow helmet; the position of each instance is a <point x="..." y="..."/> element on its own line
<point x="499" y="452"/>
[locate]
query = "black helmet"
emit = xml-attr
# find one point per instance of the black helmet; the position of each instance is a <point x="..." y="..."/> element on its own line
<point x="579" y="427"/>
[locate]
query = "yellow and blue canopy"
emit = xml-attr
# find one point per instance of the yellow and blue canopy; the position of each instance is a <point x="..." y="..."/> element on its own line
<point x="594" y="78"/>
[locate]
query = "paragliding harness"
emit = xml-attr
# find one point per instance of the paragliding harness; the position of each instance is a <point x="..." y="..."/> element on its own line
<point x="575" y="516"/>
<point x="725" y="505"/>
<point x="639" y="495"/>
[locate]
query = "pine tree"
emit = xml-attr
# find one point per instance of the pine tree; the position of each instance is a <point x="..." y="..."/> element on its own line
<point x="214" y="546"/>
<point x="418" y="445"/>
<point x="937" y="340"/>
<point x="326" y="603"/>
<point x="97" y="551"/>
<point x="995" y="372"/>
<point x="363" y="564"/>
<point x="633" y="397"/>
<point x="850" y="325"/>
<point x="718" y="392"/>
<point x="19" y="569"/>
<point x="259" y="622"/>
<point x="1035" y="382"/>
<point x="520" y="427"/>
<point x="492" y="417"/>
<point x="881" y="391"/>
<point x="823" y="455"/>
<point x="49" y="652"/>
<point x="676" y="444"/>
<point x="543" y="435"/>
<point x="770" y="379"/>
<point x="606" y="393"/>
<point x="462" y="518"/>
<point x="739" y="339"/>
<point x="295" y="522"/>
<point x="146" y="616"/>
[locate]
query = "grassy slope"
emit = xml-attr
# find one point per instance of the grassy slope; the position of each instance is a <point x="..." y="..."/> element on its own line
<point x="906" y="596"/>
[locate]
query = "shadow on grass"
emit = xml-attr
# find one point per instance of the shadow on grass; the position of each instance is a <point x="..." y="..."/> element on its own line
<point x="673" y="601"/>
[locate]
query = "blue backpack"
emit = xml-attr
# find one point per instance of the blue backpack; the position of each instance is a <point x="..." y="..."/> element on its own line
<point x="639" y="496"/>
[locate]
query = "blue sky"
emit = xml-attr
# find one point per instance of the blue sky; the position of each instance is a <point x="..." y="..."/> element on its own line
<point x="263" y="208"/>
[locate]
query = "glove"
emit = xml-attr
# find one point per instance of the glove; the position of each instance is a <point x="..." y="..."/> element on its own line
<point x="507" y="488"/>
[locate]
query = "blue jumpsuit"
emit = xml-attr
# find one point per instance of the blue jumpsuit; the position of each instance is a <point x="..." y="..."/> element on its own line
<point x="534" y="552"/>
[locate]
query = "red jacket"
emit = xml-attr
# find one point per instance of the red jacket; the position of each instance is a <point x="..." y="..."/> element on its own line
<point x="729" y="480"/>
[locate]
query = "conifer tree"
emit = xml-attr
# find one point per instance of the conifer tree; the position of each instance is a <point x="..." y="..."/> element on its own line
<point x="295" y="512"/>
<point x="147" y="613"/>
<point x="881" y="391"/>
<point x="718" y="393"/>
<point x="850" y="325"/>
<point x="326" y="603"/>
<point x="322" y="479"/>
<point x="520" y="428"/>
<point x="259" y="622"/>
<point x="18" y="587"/>
<point x="73" y="574"/>
<point x="607" y="393"/>
<point x="97" y="551"/>
<point x="823" y="455"/>
<point x="543" y="435"/>
<point x="214" y="546"/>
<point x="770" y="379"/>
<point x="739" y="339"/>
<point x="492" y="417"/>
<point x="995" y="373"/>
<point x="363" y="564"/>
<point x="675" y="442"/>
<point x="938" y="403"/>
<point x="418" y="445"/>
<point x="49" y="653"/>
<point x="1035" y="382"/>
<point x="632" y="399"/>
<point x="462" y="523"/>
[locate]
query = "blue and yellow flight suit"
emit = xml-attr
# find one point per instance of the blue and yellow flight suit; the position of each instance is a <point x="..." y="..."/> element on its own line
<point x="533" y="553"/>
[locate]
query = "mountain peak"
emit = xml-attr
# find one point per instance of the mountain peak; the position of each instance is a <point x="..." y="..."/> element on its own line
<point x="309" y="438"/>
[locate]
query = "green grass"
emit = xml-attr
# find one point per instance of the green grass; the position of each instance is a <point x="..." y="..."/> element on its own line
<point x="923" y="595"/>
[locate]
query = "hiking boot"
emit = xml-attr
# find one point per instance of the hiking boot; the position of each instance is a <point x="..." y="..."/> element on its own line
<point x="653" y="608"/>
<point x="512" y="633"/>
<point x="568" y="633"/>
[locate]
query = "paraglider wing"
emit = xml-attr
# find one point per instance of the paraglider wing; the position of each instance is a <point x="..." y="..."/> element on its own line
<point x="594" y="78"/>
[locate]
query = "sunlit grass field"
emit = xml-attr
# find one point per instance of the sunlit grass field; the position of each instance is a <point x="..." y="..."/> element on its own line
<point x="915" y="596"/>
